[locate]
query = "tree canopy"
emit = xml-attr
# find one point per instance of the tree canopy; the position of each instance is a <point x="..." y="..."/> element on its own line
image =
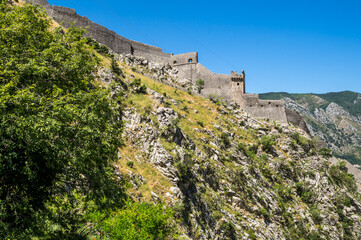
<point x="58" y="130"/>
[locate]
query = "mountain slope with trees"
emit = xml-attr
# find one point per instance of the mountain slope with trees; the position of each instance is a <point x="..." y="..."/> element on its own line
<point x="95" y="145"/>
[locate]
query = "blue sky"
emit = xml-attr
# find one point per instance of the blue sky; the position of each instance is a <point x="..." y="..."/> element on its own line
<point x="292" y="46"/>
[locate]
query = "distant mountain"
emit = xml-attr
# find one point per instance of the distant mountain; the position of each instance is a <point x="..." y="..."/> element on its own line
<point x="333" y="117"/>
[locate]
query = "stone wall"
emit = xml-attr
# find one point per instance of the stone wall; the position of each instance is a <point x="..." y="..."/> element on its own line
<point x="191" y="57"/>
<point x="297" y="120"/>
<point x="119" y="44"/>
<point x="216" y="84"/>
<point x="230" y="88"/>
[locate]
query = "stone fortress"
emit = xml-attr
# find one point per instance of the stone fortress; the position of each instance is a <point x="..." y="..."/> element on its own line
<point x="229" y="87"/>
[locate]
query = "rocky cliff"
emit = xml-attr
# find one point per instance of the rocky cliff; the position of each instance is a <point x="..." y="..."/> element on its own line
<point x="334" y="118"/>
<point x="226" y="174"/>
<point x="223" y="173"/>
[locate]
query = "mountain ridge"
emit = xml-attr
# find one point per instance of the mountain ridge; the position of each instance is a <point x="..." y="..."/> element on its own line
<point x="334" y="117"/>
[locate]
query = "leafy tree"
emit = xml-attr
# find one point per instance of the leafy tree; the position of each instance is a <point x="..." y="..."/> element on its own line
<point x="58" y="131"/>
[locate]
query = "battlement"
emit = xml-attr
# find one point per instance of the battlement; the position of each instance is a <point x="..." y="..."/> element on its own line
<point x="237" y="77"/>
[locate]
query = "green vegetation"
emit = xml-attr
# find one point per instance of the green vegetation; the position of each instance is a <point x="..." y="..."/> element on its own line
<point x="200" y="85"/>
<point x="268" y="143"/>
<point x="338" y="174"/>
<point x="137" y="221"/>
<point x="325" y="152"/>
<point x="334" y="134"/>
<point x="60" y="133"/>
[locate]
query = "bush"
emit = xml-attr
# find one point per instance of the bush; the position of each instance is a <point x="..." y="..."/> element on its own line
<point x="338" y="174"/>
<point x="265" y="213"/>
<point x="200" y="85"/>
<point x="130" y="164"/>
<point x="136" y="221"/>
<point x="316" y="215"/>
<point x="200" y="123"/>
<point x="114" y="67"/>
<point x="138" y="87"/>
<point x="305" y="143"/>
<point x="225" y="139"/>
<point x="267" y="143"/>
<point x="325" y="152"/>
<point x="142" y="89"/>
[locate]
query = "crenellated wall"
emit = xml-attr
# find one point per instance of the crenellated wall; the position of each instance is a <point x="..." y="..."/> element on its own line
<point x="230" y="88"/>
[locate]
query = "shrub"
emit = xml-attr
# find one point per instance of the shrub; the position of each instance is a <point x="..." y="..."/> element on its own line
<point x="130" y="164"/>
<point x="305" y="143"/>
<point x="200" y="85"/>
<point x="142" y="89"/>
<point x="114" y="67"/>
<point x="229" y="230"/>
<point x="267" y="143"/>
<point x="316" y="215"/>
<point x="200" y="123"/>
<point x="103" y="49"/>
<point x="167" y="104"/>
<point x="136" y="82"/>
<point x="338" y="174"/>
<point x="325" y="152"/>
<point x="136" y="221"/>
<point x="225" y="139"/>
<point x="265" y="213"/>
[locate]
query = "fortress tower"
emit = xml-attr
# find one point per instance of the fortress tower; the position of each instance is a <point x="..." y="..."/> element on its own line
<point x="238" y="84"/>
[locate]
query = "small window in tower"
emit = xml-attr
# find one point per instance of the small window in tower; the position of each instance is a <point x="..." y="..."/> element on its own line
<point x="238" y="84"/>
<point x="175" y="62"/>
<point x="190" y="60"/>
<point x="269" y="102"/>
<point x="276" y="105"/>
<point x="261" y="105"/>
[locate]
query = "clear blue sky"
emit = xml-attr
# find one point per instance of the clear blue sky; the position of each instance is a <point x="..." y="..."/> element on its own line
<point x="292" y="46"/>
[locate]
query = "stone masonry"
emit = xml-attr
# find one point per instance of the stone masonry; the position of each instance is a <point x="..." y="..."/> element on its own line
<point x="231" y="88"/>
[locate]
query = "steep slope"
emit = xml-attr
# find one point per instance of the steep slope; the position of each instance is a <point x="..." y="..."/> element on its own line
<point x="226" y="174"/>
<point x="335" y="118"/>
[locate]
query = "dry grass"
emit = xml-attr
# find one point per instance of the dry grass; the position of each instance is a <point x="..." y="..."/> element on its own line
<point x="155" y="181"/>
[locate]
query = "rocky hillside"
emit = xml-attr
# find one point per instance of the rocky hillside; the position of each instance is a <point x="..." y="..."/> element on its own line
<point x="190" y="167"/>
<point x="226" y="174"/>
<point x="335" y="118"/>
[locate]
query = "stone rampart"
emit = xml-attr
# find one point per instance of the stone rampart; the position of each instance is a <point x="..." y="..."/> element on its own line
<point x="191" y="57"/>
<point x="230" y="88"/>
<point x="119" y="44"/>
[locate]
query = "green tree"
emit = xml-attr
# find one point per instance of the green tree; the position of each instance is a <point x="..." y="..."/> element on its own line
<point x="200" y="85"/>
<point x="58" y="131"/>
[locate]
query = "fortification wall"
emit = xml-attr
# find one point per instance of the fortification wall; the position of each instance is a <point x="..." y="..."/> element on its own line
<point x="214" y="83"/>
<point x="296" y="119"/>
<point x="119" y="44"/>
<point x="220" y="85"/>
<point x="103" y="35"/>
<point x="191" y="57"/>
